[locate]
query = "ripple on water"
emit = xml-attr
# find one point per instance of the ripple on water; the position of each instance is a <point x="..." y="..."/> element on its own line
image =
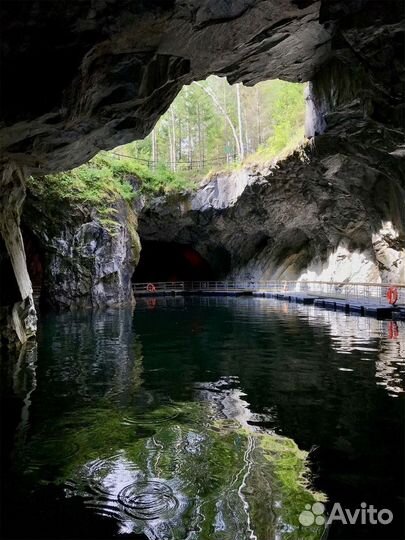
<point x="148" y="500"/>
<point x="152" y="417"/>
<point x="97" y="471"/>
<point x="112" y="487"/>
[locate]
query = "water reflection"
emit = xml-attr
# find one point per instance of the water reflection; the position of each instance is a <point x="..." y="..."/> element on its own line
<point x="180" y="421"/>
<point x="202" y="469"/>
<point x="24" y="384"/>
<point x="382" y="342"/>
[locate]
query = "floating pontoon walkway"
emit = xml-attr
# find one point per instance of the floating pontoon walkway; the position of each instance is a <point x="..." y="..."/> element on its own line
<point x="368" y="299"/>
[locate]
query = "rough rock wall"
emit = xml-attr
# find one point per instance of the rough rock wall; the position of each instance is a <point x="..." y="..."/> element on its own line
<point x="327" y="213"/>
<point x="81" y="76"/>
<point x="22" y="316"/>
<point x="336" y="209"/>
<point x="87" y="262"/>
<point x="103" y="72"/>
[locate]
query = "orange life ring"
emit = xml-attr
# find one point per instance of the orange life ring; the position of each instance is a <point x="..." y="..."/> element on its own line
<point x="392" y="295"/>
<point x="150" y="287"/>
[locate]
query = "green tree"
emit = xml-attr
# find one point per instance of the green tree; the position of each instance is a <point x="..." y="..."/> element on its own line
<point x="211" y="121"/>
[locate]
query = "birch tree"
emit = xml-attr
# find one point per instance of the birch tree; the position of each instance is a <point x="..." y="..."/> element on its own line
<point x="222" y="110"/>
<point x="240" y="126"/>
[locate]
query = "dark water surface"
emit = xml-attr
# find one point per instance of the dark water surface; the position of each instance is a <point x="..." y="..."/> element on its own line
<point x="203" y="418"/>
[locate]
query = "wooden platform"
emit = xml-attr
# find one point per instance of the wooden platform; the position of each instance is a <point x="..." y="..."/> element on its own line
<point x="365" y="306"/>
<point x="355" y="305"/>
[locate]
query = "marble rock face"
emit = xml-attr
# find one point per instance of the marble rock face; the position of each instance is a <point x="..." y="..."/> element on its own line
<point x="87" y="262"/>
<point x="335" y="210"/>
<point x="78" y="77"/>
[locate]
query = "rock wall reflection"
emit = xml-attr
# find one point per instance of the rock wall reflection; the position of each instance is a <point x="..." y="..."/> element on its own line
<point x="193" y="418"/>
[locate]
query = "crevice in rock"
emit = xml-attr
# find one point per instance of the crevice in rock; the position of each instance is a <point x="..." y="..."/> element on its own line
<point x="35" y="264"/>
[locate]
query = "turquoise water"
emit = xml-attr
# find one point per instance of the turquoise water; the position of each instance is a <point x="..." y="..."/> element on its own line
<point x="203" y="418"/>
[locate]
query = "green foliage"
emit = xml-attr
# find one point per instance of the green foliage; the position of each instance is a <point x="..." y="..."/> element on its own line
<point x="287" y="122"/>
<point x="104" y="180"/>
<point x="162" y="180"/>
<point x="196" y="131"/>
<point x="85" y="447"/>
<point x="99" y="183"/>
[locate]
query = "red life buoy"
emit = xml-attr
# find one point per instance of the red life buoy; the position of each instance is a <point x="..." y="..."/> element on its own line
<point x="150" y="287"/>
<point x="392" y="295"/>
<point x="393" y="331"/>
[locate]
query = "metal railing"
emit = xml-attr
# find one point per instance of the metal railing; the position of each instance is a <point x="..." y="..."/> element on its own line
<point x="372" y="292"/>
<point x="184" y="165"/>
<point x="159" y="286"/>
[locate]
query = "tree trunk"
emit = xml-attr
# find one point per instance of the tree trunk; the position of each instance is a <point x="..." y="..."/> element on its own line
<point x="172" y="127"/>
<point x="154" y="148"/>
<point x="180" y="138"/>
<point x="200" y="150"/>
<point x="226" y="116"/>
<point x="240" y="125"/>
<point x="258" y="118"/>
<point x="190" y="143"/>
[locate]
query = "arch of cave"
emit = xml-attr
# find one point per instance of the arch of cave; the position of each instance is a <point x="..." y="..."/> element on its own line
<point x="170" y="261"/>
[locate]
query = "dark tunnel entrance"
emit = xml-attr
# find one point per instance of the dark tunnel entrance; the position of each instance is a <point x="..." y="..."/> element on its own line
<point x="169" y="261"/>
<point x="9" y="292"/>
<point x="35" y="264"/>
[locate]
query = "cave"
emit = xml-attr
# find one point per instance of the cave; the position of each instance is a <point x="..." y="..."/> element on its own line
<point x="9" y="292"/>
<point x="207" y="416"/>
<point x="171" y="261"/>
<point x="110" y="70"/>
<point x="35" y="263"/>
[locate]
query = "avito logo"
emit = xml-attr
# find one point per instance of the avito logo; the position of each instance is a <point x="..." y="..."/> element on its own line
<point x="366" y="514"/>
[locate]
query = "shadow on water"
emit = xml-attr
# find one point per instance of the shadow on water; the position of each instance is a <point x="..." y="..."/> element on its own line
<point x="203" y="418"/>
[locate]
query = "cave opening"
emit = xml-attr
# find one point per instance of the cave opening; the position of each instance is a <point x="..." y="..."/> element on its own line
<point x="35" y="264"/>
<point x="9" y="292"/>
<point x="171" y="261"/>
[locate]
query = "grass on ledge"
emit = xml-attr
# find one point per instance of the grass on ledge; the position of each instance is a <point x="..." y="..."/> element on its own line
<point x="106" y="179"/>
<point x="91" y="184"/>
